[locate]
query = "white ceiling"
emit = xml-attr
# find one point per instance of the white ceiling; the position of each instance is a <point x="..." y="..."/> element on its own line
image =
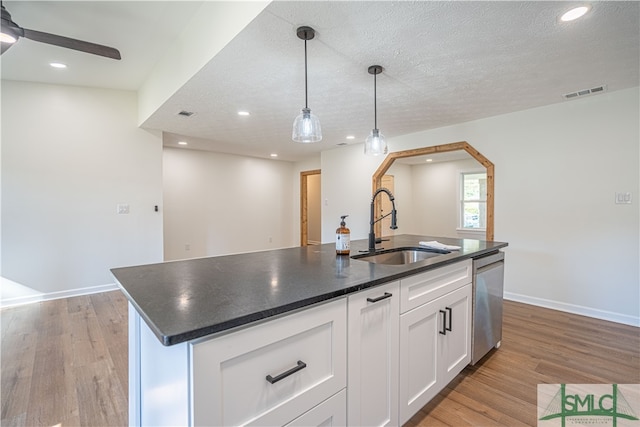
<point x="445" y="63"/>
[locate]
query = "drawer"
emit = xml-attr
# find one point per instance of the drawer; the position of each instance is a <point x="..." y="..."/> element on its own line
<point x="270" y="373"/>
<point x="424" y="287"/>
<point x="331" y="412"/>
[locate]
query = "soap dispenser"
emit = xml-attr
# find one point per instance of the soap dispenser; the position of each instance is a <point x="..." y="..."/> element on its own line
<point x="343" y="238"/>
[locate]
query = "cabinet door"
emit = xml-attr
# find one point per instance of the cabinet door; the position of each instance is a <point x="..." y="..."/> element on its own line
<point x="331" y="412"/>
<point x="419" y="339"/>
<point x="372" y="382"/>
<point x="455" y="349"/>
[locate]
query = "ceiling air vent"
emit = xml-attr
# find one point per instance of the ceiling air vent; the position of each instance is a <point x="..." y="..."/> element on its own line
<point x="184" y="113"/>
<point x="584" y="92"/>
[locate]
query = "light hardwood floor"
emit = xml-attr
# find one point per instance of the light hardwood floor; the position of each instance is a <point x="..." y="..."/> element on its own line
<point x="64" y="362"/>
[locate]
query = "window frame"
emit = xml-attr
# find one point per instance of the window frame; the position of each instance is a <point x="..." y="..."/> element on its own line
<point x="461" y="201"/>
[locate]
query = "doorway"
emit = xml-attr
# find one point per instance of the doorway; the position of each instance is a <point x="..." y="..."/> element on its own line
<point x="462" y="145"/>
<point x="310" y="208"/>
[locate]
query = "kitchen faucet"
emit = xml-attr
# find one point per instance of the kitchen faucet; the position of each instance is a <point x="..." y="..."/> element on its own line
<point x="372" y="235"/>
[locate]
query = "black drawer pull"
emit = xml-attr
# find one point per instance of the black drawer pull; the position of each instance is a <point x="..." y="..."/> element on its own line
<point x="450" y="318"/>
<point x="380" y="298"/>
<point x="444" y="323"/>
<point x="273" y="380"/>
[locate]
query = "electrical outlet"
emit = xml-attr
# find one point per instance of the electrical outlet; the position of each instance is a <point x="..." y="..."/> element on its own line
<point x="623" y="198"/>
<point x="123" y="209"/>
<point x="187" y="247"/>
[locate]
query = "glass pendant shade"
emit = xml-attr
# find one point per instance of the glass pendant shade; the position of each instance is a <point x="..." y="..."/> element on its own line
<point x="375" y="144"/>
<point x="306" y="127"/>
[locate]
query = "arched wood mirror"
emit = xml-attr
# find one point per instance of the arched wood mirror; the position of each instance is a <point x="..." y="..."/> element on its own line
<point x="456" y="146"/>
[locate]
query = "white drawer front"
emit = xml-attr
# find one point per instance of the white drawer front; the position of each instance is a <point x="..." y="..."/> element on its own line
<point x="229" y="372"/>
<point x="424" y="287"/>
<point x="331" y="412"/>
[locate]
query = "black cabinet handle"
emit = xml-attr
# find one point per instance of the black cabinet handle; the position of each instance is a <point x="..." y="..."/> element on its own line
<point x="273" y="380"/>
<point x="450" y="318"/>
<point x="444" y="323"/>
<point x="380" y="298"/>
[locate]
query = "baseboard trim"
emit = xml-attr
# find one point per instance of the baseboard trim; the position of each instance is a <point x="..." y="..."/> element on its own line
<point x="575" y="309"/>
<point x="30" y="299"/>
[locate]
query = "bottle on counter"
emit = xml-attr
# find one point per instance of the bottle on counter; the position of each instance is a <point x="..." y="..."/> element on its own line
<point x="343" y="238"/>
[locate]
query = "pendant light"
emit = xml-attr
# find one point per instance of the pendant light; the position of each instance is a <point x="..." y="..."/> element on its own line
<point x="375" y="143"/>
<point x="306" y="127"/>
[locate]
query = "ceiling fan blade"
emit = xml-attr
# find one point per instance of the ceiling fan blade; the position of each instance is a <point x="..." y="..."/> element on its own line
<point x="66" y="42"/>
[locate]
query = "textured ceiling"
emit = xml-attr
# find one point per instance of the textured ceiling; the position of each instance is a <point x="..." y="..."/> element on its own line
<point x="445" y="63"/>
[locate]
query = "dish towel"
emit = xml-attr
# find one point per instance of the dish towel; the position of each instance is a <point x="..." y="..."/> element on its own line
<point x="434" y="244"/>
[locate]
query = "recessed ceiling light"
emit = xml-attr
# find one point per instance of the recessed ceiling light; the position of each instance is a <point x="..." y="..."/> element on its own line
<point x="273" y="155"/>
<point x="244" y="113"/>
<point x="182" y="143"/>
<point x="429" y="160"/>
<point x="574" y="13"/>
<point x="58" y="65"/>
<point x="351" y="137"/>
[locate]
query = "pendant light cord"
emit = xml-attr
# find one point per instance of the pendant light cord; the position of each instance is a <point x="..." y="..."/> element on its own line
<point x="306" y="100"/>
<point x="375" y="102"/>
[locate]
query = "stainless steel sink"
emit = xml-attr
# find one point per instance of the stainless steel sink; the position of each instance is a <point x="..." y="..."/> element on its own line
<point x="399" y="256"/>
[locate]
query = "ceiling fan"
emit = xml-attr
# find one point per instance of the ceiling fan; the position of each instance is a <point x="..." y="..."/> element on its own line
<point x="11" y="32"/>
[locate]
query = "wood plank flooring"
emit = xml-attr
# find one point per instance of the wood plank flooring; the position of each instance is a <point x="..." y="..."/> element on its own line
<point x="539" y="346"/>
<point x="64" y="362"/>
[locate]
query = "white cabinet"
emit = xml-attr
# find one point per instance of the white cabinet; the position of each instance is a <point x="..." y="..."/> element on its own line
<point x="455" y="343"/>
<point x="435" y="337"/>
<point x="424" y="287"/>
<point x="373" y="356"/>
<point x="271" y="373"/>
<point x="331" y="412"/>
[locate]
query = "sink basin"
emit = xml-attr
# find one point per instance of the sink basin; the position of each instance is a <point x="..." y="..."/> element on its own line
<point x="400" y="256"/>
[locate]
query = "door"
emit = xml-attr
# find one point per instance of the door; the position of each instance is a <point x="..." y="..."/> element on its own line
<point x="310" y="208"/>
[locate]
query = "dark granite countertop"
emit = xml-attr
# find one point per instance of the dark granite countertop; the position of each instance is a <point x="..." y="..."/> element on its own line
<point x="189" y="299"/>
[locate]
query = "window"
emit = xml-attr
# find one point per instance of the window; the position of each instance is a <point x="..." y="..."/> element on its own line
<point x="473" y="201"/>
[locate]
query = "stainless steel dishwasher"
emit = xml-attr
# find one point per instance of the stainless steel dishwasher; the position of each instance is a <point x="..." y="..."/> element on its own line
<point x="488" y="286"/>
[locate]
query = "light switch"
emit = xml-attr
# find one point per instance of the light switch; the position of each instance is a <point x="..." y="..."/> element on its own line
<point x="123" y="209"/>
<point x="623" y="198"/>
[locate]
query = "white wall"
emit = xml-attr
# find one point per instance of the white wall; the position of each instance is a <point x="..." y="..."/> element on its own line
<point x="436" y="197"/>
<point x="221" y="203"/>
<point x="556" y="171"/>
<point x="346" y="190"/>
<point x="69" y="156"/>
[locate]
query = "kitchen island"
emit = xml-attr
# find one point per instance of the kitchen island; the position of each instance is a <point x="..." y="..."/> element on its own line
<point x="197" y="326"/>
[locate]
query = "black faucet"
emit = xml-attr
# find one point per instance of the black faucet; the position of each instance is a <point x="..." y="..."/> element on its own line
<point x="372" y="234"/>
